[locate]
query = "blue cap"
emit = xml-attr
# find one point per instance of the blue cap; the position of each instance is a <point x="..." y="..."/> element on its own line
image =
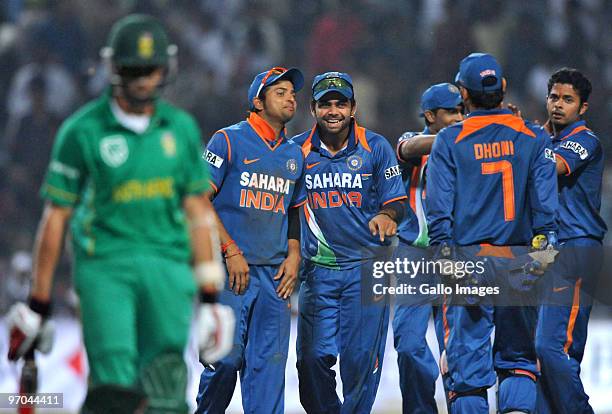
<point x="324" y="83"/>
<point x="480" y="72"/>
<point x="275" y="74"/>
<point x="441" y="95"/>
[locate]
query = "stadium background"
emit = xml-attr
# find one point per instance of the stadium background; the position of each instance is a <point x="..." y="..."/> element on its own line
<point x="49" y="65"/>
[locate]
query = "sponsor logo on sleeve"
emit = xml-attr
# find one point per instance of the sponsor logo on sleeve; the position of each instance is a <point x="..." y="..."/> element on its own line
<point x="63" y="169"/>
<point x="550" y="155"/>
<point x="392" y="172"/>
<point x="213" y="159"/>
<point x="577" y="148"/>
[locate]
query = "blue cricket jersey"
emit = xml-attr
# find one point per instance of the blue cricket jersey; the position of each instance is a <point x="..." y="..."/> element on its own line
<point x="491" y="179"/>
<point x="345" y="191"/>
<point x="413" y="228"/>
<point x="580" y="189"/>
<point x="255" y="179"/>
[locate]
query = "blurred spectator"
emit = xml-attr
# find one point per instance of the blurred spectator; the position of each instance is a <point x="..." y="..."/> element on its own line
<point x="453" y="40"/>
<point x="61" y="92"/>
<point x="335" y="34"/>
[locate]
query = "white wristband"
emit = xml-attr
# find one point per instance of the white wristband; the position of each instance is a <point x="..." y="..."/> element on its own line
<point x="210" y="275"/>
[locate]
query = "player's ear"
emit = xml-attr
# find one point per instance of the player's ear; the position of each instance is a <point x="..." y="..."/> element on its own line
<point x="258" y="103"/>
<point x="504" y="85"/>
<point x="353" y="109"/>
<point x="583" y="108"/>
<point x="464" y="93"/>
<point x="429" y="115"/>
<point x="313" y="105"/>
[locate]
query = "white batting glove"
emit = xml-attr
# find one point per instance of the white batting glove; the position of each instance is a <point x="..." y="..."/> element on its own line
<point x="215" y="329"/>
<point x="26" y="330"/>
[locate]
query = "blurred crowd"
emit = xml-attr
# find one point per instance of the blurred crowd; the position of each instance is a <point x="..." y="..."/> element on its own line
<point x="394" y="49"/>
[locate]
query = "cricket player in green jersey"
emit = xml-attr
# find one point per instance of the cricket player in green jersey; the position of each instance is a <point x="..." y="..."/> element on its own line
<point x="126" y="175"/>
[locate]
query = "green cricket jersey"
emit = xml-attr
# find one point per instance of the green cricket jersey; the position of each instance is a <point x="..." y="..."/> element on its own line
<point x="127" y="188"/>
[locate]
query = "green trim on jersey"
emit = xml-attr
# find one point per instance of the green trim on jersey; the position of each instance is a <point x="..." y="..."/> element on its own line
<point x="127" y="189"/>
<point x="325" y="256"/>
<point x="423" y="239"/>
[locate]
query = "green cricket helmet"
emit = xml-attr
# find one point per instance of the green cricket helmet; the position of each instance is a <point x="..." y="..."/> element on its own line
<point x="138" y="40"/>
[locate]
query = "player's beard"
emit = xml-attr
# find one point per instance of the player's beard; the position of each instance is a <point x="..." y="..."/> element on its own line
<point x="137" y="102"/>
<point x="342" y="125"/>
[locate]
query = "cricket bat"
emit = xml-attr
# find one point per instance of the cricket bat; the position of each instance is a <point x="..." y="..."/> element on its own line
<point x="28" y="382"/>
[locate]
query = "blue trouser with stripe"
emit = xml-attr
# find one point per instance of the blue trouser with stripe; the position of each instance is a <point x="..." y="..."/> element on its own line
<point x="261" y="344"/>
<point x="473" y="363"/>
<point x="333" y="321"/>
<point x="418" y="369"/>
<point x="562" y="327"/>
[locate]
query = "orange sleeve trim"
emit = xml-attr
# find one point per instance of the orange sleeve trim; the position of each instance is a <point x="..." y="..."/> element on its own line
<point x="573" y="316"/>
<point x="398" y="149"/>
<point x="306" y="213"/>
<point x="360" y="137"/>
<point x="413" y="187"/>
<point x="229" y="146"/>
<point x="300" y="204"/>
<point x="394" y="199"/>
<point x="569" y="170"/>
<point x="213" y="186"/>
<point x="471" y="125"/>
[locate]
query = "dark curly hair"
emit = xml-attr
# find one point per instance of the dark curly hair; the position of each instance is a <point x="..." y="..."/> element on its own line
<point x="573" y="77"/>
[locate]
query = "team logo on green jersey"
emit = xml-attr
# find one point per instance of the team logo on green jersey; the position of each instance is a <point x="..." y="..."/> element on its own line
<point x="168" y="143"/>
<point x="114" y="150"/>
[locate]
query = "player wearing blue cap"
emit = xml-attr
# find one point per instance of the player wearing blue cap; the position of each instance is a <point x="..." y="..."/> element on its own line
<point x="255" y="172"/>
<point x="564" y="315"/>
<point x="355" y="200"/>
<point x="491" y="185"/>
<point x="441" y="106"/>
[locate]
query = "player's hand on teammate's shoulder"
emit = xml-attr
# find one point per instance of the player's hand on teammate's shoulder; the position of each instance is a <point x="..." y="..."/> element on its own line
<point x="515" y="109"/>
<point x="288" y="275"/>
<point x="383" y="226"/>
<point x="237" y="270"/>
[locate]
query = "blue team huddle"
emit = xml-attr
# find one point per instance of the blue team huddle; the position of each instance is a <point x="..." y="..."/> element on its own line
<point x="477" y="182"/>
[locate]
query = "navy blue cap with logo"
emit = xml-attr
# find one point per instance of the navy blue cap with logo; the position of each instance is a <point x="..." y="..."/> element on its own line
<point x="441" y="95"/>
<point x="275" y="74"/>
<point x="332" y="82"/>
<point x="480" y="72"/>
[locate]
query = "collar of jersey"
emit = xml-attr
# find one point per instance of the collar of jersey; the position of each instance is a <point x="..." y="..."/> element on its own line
<point x="156" y="119"/>
<point x="352" y="143"/>
<point x="481" y="112"/>
<point x="571" y="130"/>
<point x="265" y="131"/>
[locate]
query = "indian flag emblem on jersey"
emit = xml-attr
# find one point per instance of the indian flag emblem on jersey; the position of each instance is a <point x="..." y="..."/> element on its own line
<point x="114" y="150"/>
<point x="145" y="45"/>
<point x="292" y="166"/>
<point x="354" y="162"/>
<point x="168" y="143"/>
